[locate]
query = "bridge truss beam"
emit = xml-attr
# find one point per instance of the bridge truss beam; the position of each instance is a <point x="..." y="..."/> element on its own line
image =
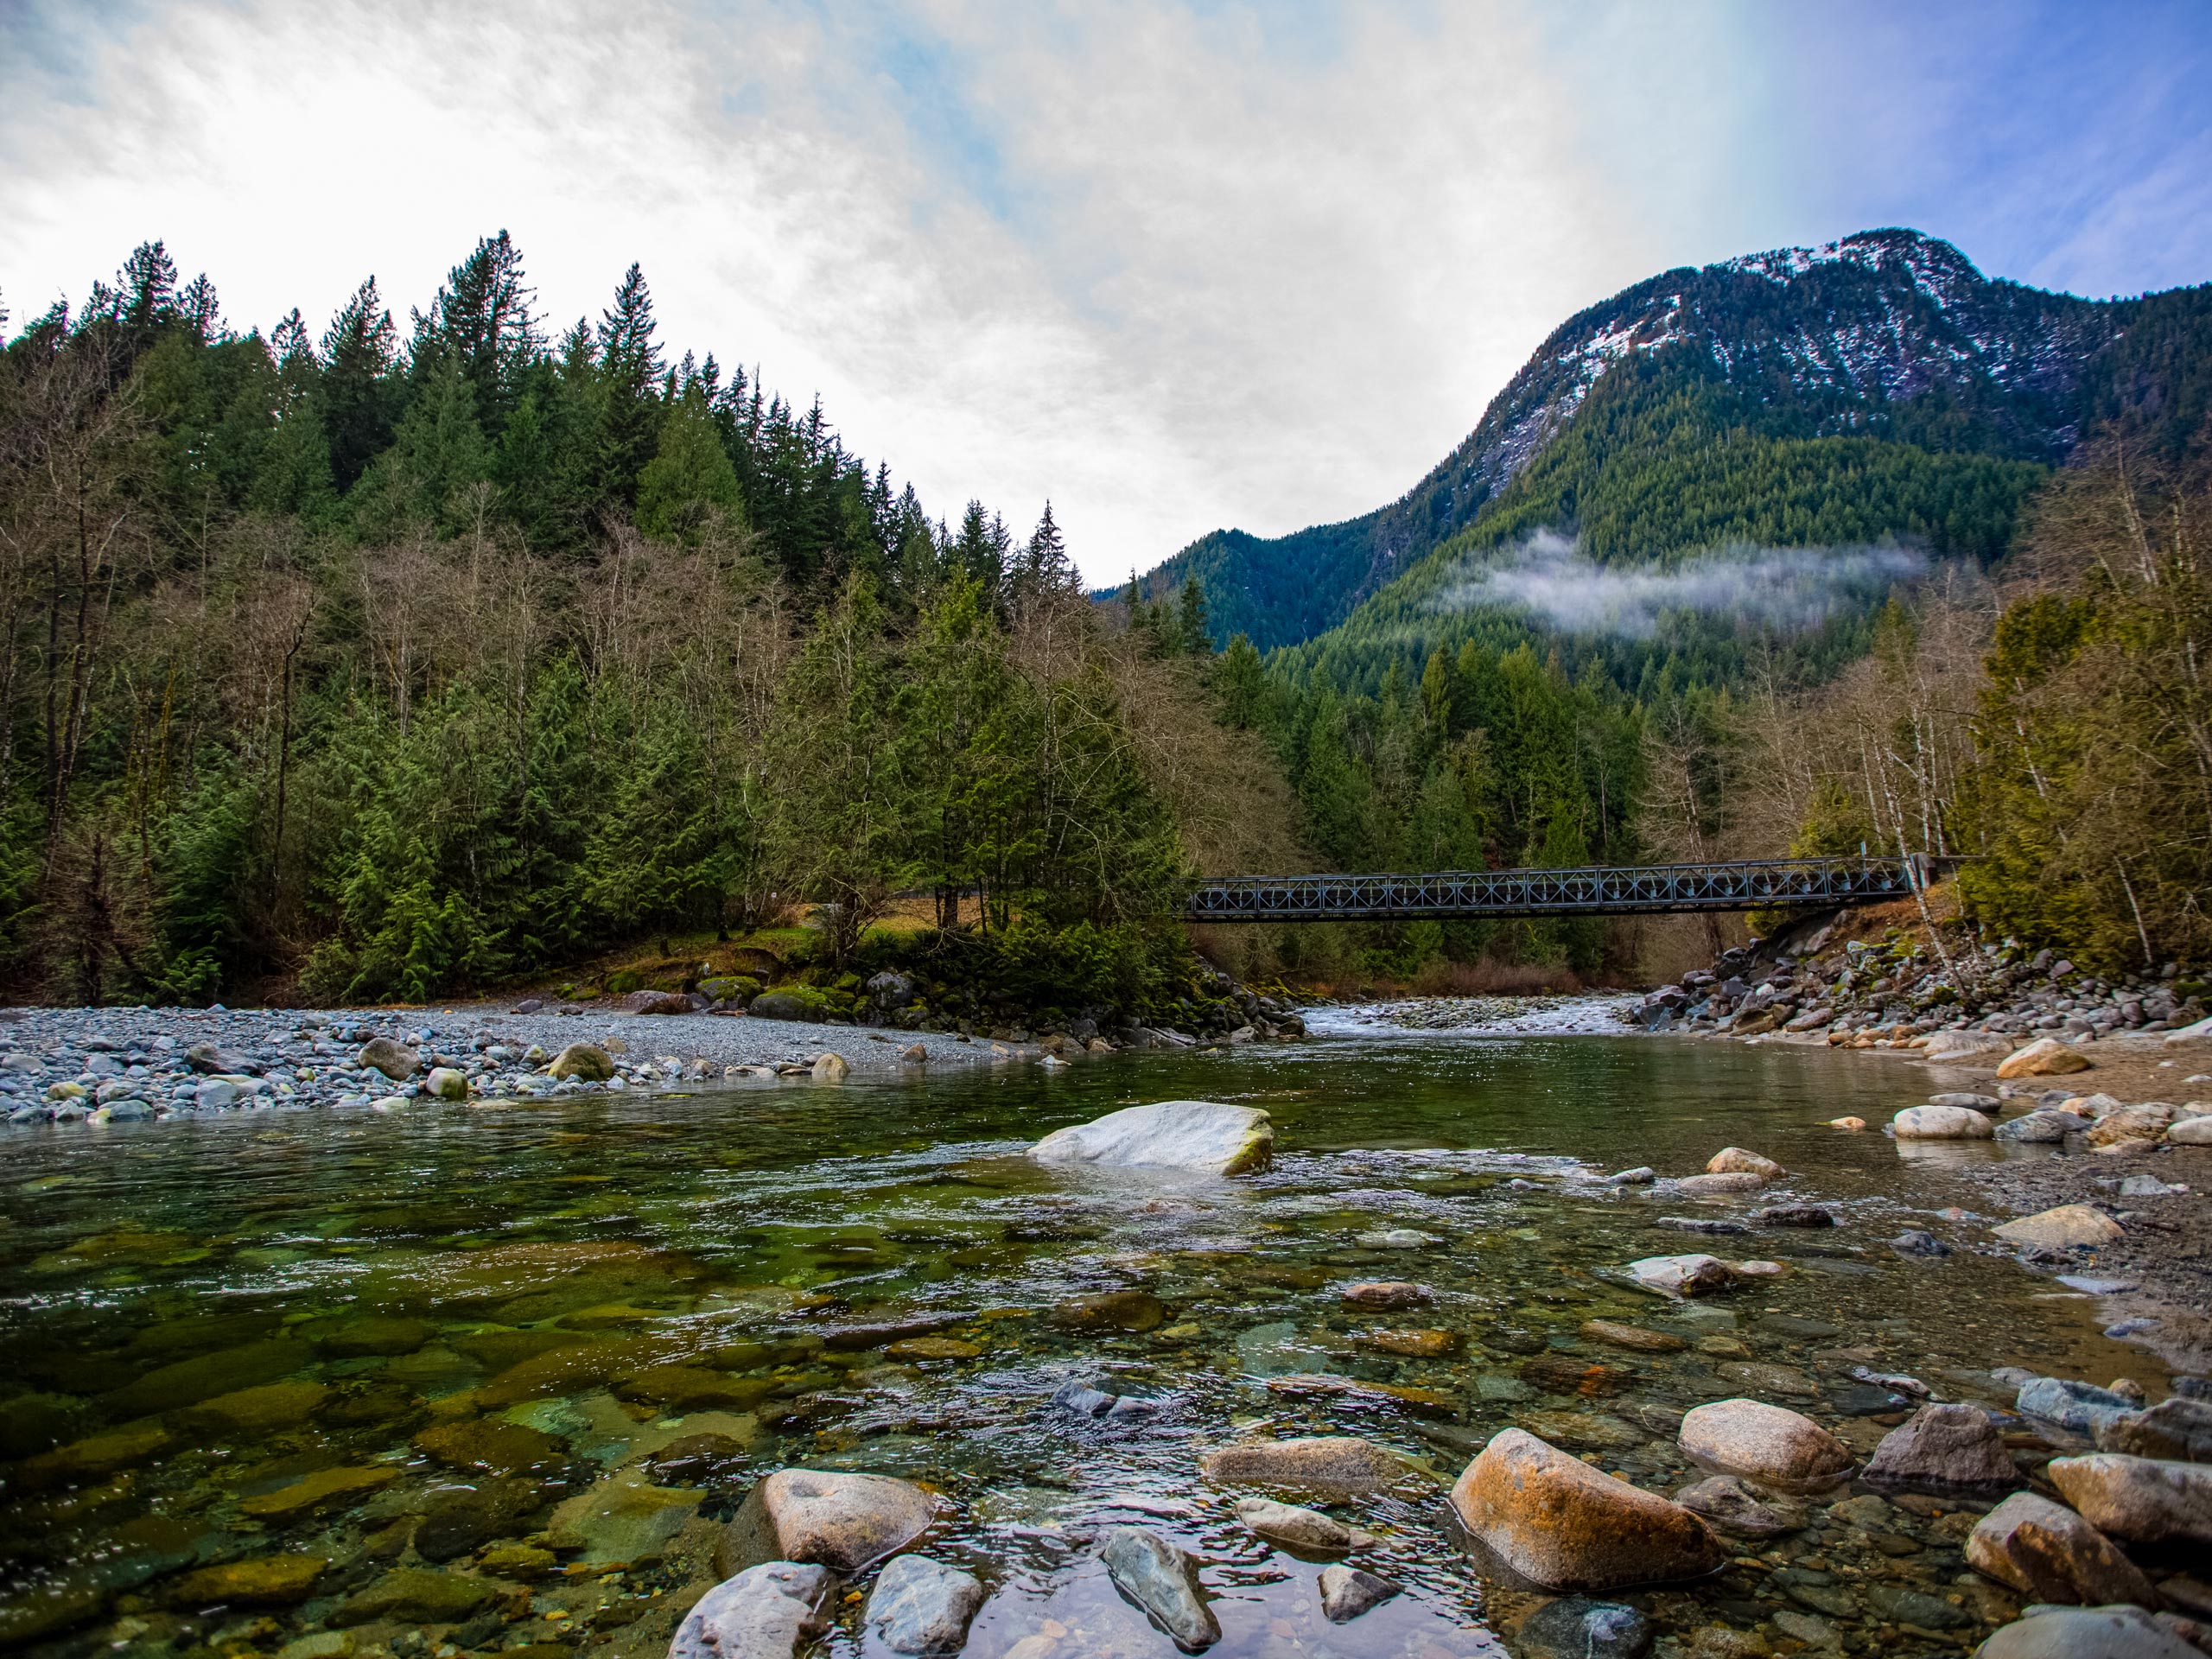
<point x="1649" y="890"/>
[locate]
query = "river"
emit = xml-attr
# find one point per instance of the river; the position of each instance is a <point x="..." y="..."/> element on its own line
<point x="305" y="1342"/>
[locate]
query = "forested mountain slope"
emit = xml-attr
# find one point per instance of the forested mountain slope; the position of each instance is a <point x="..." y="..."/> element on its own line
<point x="1739" y="371"/>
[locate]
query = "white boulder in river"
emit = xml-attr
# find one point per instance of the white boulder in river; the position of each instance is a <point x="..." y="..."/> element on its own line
<point x="1201" y="1136"/>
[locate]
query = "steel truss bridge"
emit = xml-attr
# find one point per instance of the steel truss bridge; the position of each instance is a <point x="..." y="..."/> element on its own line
<point x="1647" y="890"/>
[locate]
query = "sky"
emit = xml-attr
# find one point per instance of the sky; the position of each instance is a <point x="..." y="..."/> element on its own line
<point x="1173" y="264"/>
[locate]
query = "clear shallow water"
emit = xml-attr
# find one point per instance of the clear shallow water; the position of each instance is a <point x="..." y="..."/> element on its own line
<point x="541" y="1351"/>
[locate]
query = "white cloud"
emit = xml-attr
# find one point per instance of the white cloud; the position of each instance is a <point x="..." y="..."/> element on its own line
<point x="1788" y="589"/>
<point x="1173" y="270"/>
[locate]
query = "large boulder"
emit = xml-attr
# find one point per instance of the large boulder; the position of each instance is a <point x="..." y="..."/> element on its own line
<point x="1203" y="1136"/>
<point x="764" y="1613"/>
<point x="842" y="1520"/>
<point x="1769" y="1443"/>
<point x="1164" y="1581"/>
<point x="2085" y="1633"/>
<point x="2144" y="1500"/>
<point x="2064" y="1228"/>
<point x="920" y="1605"/>
<point x="1557" y="1522"/>
<point x="396" y="1060"/>
<point x="1948" y="1448"/>
<point x="2046" y="1058"/>
<point x="2048" y="1553"/>
<point x="2178" y="1429"/>
<point x="1338" y="1465"/>
<point x="1942" y="1123"/>
<point x="585" y="1062"/>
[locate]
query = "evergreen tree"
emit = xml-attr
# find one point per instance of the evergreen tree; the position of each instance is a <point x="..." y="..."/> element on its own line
<point x="356" y="398"/>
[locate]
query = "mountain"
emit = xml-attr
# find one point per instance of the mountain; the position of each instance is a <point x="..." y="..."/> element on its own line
<point x="1958" y="390"/>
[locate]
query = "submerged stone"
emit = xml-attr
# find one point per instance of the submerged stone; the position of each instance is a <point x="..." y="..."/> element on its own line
<point x="1575" y="1627"/>
<point x="764" y="1613"/>
<point x="1301" y="1529"/>
<point x="1347" y="1592"/>
<point x="1339" y="1464"/>
<point x="1164" y="1581"/>
<point x="261" y="1581"/>
<point x="920" y="1605"/>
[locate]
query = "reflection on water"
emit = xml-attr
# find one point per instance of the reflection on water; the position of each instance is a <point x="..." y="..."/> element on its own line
<point x="493" y="1378"/>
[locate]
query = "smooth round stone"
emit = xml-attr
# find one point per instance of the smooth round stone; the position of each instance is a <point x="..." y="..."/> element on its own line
<point x="1560" y="1524"/>
<point x="1736" y="1160"/>
<point x="1321" y="1462"/>
<point x="1164" y="1581"/>
<point x="2086" y="1633"/>
<point x="1942" y="1123"/>
<point x="920" y="1605"/>
<point x="1766" y="1443"/>
<point x="1347" y="1592"/>
<point x="764" y="1613"/>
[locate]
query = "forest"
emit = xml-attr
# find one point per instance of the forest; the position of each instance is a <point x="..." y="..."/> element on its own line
<point x="344" y="665"/>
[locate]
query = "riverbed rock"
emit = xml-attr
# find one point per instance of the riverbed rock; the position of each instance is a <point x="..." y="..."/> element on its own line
<point x="1576" y="1627"/>
<point x="620" y="1518"/>
<point x="396" y="1060"/>
<point x="920" y="1605"/>
<point x="783" y="1005"/>
<point x="2179" y="1429"/>
<point x="415" y="1595"/>
<point x="2145" y="1121"/>
<point x="1383" y="1295"/>
<point x="842" y="1520"/>
<point x="1719" y="1186"/>
<point x="1682" y="1275"/>
<point x="830" y="1066"/>
<point x="1199" y="1136"/>
<point x="1164" y="1581"/>
<point x="1769" y="1444"/>
<point x="2080" y="1407"/>
<point x="1794" y="1215"/>
<point x="2040" y="1128"/>
<point x="1420" y="1344"/>
<point x="2191" y="1132"/>
<point x="258" y="1581"/>
<point x="1946" y="1447"/>
<point x="1942" y="1123"/>
<point x="1728" y="1504"/>
<point x="1301" y="1529"/>
<point x="1735" y="1160"/>
<point x="1852" y="1124"/>
<point x="587" y="1062"/>
<point x="1112" y="1310"/>
<point x="2143" y="1500"/>
<point x="1339" y="1464"/>
<point x="2118" y="1632"/>
<point x="1557" y="1522"/>
<point x="764" y="1613"/>
<point x="1633" y="1335"/>
<point x="444" y="1083"/>
<point x="1347" y="1592"/>
<point x="1955" y="1047"/>
<point x="2065" y="1227"/>
<point x="2048" y="1553"/>
<point x="2046" y="1058"/>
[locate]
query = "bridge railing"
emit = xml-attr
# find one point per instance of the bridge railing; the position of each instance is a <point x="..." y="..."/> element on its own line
<point x="1654" y="889"/>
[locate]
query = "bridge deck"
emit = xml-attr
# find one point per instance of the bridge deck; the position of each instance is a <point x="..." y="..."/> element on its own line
<point x="1657" y="889"/>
